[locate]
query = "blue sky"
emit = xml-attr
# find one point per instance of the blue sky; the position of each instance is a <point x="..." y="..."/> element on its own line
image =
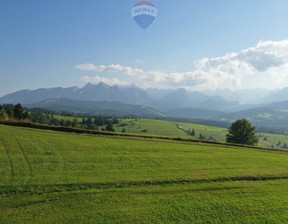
<point x="192" y="44"/>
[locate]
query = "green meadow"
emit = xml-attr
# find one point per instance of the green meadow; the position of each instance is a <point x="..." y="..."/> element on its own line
<point x="211" y="133"/>
<point x="151" y="127"/>
<point x="171" y="129"/>
<point x="56" y="177"/>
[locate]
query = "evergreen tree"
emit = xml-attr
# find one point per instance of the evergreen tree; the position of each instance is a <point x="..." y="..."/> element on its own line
<point x="89" y="121"/>
<point x="18" y="111"/>
<point x="75" y="122"/>
<point x="202" y="137"/>
<point x="9" y="108"/>
<point x="83" y="121"/>
<point x="115" y="120"/>
<point x="242" y="132"/>
<point x="68" y="123"/>
<point x="62" y="122"/>
<point x="25" y="115"/>
<point x="109" y="127"/>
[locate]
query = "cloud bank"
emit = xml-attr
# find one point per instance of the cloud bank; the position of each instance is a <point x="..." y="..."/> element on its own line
<point x="98" y="79"/>
<point x="269" y="58"/>
<point x="111" y="69"/>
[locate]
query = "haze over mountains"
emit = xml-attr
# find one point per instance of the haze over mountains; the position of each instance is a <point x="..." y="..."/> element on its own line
<point x="258" y="105"/>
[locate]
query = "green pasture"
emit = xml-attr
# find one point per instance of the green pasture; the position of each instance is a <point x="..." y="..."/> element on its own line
<point x="69" y="118"/>
<point x="168" y="128"/>
<point x="54" y="177"/>
<point x="151" y="127"/>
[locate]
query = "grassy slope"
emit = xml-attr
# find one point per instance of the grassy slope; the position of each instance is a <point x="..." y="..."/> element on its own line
<point x="49" y="177"/>
<point x="153" y="127"/>
<point x="167" y="128"/>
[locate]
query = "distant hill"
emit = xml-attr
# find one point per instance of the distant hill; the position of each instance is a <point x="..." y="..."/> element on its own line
<point x="33" y="96"/>
<point x="243" y="96"/>
<point x="271" y="115"/>
<point x="276" y="96"/>
<point x="181" y="98"/>
<point x="96" y="108"/>
<point x="188" y="112"/>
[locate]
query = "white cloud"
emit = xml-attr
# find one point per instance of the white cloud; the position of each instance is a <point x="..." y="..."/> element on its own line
<point x="269" y="59"/>
<point x="98" y="79"/>
<point x="110" y="68"/>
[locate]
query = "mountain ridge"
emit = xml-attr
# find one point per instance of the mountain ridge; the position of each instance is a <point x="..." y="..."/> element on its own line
<point x="103" y="108"/>
<point x="129" y="95"/>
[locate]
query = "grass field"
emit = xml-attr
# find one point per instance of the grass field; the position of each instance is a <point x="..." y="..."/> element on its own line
<point x="168" y="128"/>
<point x="54" y="177"/>
<point x="151" y="127"/>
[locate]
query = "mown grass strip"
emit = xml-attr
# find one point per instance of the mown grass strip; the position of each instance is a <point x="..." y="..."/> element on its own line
<point x="12" y="173"/>
<point x="24" y="155"/>
<point x="40" y="189"/>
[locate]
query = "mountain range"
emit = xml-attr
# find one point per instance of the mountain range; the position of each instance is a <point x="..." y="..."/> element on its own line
<point x="128" y="95"/>
<point x="100" y="92"/>
<point x="263" y="107"/>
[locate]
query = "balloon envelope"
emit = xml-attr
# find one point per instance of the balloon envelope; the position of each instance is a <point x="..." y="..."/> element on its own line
<point x="144" y="13"/>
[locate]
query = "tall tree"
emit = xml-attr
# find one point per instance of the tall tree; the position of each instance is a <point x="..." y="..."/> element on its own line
<point x="192" y="133"/>
<point x="242" y="132"/>
<point x="3" y="115"/>
<point x="109" y="127"/>
<point x="75" y="122"/>
<point x="18" y="111"/>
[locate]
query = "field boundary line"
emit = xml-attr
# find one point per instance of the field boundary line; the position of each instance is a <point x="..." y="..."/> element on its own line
<point x="12" y="173"/>
<point x="24" y="155"/>
<point x="51" y="188"/>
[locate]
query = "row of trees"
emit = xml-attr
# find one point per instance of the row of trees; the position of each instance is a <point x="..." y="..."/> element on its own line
<point x="17" y="113"/>
<point x="99" y="121"/>
<point x="9" y="111"/>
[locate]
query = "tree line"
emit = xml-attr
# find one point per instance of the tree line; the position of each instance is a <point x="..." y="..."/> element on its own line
<point x="10" y="112"/>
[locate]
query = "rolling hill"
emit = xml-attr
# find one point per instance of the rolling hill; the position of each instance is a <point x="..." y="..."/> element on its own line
<point x="191" y="113"/>
<point x="271" y="115"/>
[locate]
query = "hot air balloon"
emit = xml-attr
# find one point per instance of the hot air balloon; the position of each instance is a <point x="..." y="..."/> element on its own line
<point x="144" y="13"/>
